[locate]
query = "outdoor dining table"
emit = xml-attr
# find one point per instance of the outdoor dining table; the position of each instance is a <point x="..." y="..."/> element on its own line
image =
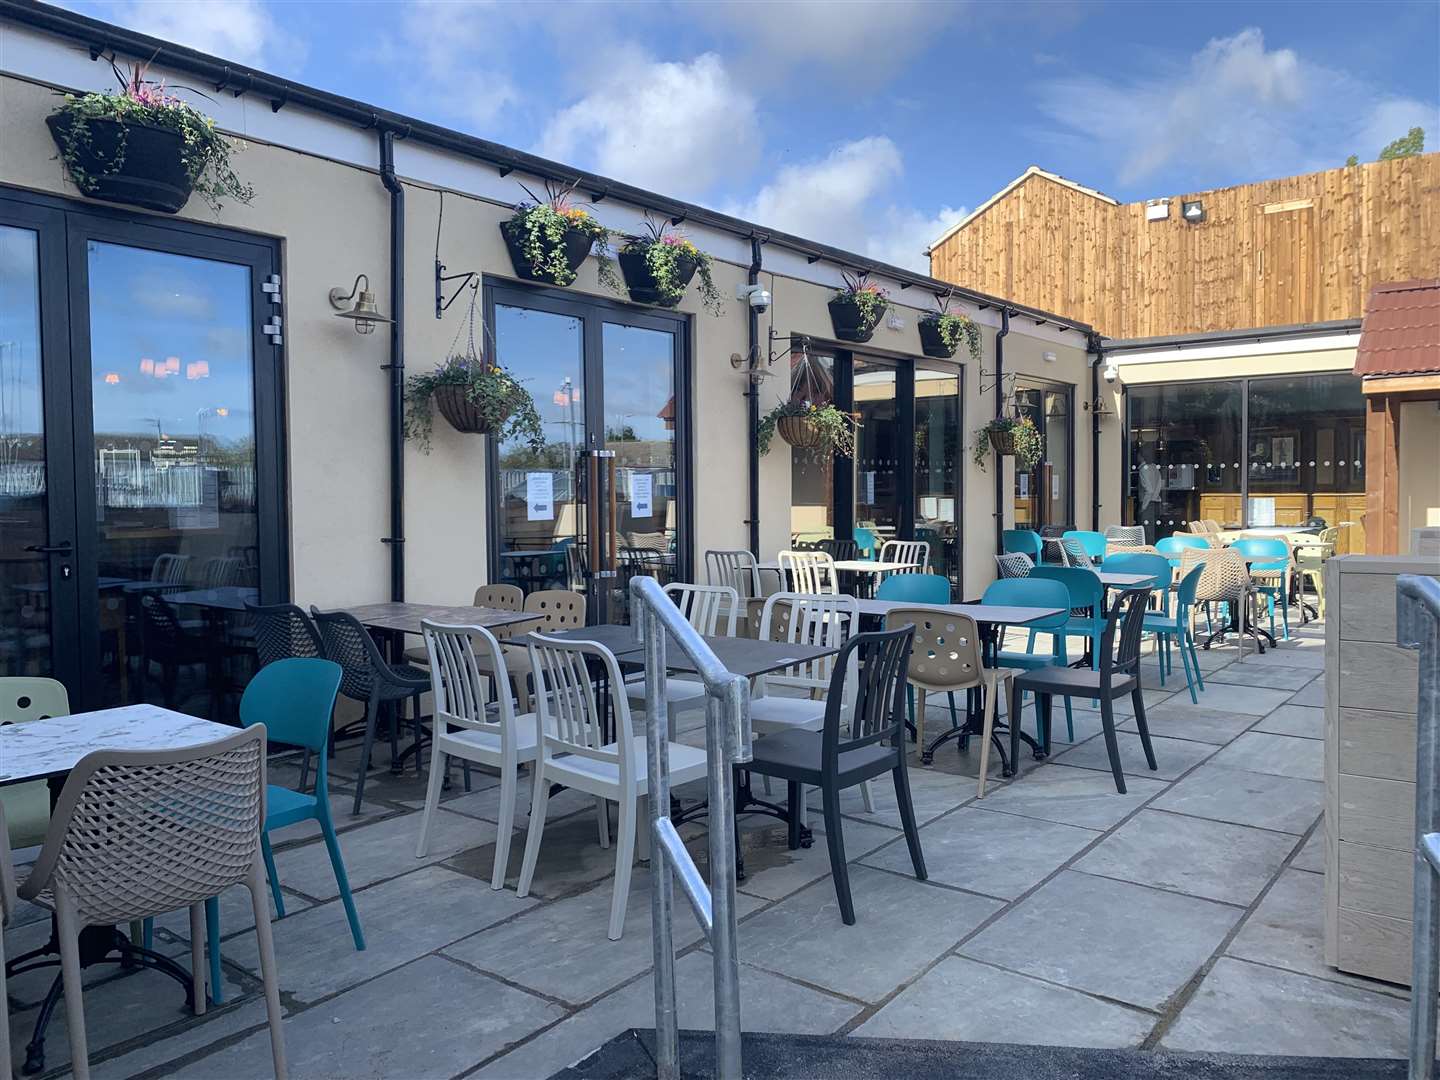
<point x="47" y="750"/>
<point x="400" y="618"/>
<point x="872" y="568"/>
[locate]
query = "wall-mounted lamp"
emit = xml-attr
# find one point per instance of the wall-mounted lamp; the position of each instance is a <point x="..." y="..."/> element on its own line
<point x="364" y="313"/>
<point x="1098" y="407"/>
<point x="1193" y="211"/>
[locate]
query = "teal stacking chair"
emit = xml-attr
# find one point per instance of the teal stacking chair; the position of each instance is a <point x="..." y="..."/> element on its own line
<point x="1171" y="546"/>
<point x="1092" y="542"/>
<point x="1087" y="604"/>
<point x="1035" y="592"/>
<point x="917" y="589"/>
<point x="1161" y="574"/>
<point x="1175" y="629"/>
<point x="1270" y="575"/>
<point x="1025" y="541"/>
<point x="867" y="541"/>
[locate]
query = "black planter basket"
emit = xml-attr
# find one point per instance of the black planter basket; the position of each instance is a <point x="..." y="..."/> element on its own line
<point x="932" y="343"/>
<point x="151" y="173"/>
<point x="462" y="413"/>
<point x="641" y="282"/>
<point x="1002" y="440"/>
<point x="849" y="321"/>
<point x="577" y="249"/>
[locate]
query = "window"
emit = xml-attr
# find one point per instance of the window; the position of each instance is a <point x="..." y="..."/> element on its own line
<point x="1185" y="459"/>
<point x="812" y="472"/>
<point x="1044" y="495"/>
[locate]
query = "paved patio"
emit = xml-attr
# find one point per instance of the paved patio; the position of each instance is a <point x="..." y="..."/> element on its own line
<point x="1184" y="915"/>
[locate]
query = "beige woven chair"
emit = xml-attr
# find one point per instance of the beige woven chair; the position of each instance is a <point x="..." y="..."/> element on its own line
<point x="500" y="597"/>
<point x="138" y="833"/>
<point x="1226" y="580"/>
<point x="1310" y="557"/>
<point x="945" y="657"/>
<point x="1124" y="536"/>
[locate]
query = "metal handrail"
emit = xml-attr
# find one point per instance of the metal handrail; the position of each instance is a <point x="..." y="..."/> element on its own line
<point x="727" y="743"/>
<point x="1417" y="626"/>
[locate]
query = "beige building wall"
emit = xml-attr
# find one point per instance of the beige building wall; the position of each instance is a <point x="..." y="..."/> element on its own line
<point x="1419" y="467"/>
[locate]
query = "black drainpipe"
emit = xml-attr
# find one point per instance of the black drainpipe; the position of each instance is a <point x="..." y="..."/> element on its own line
<point x="1095" y="431"/>
<point x="1000" y="411"/>
<point x="396" y="366"/>
<point x="752" y="403"/>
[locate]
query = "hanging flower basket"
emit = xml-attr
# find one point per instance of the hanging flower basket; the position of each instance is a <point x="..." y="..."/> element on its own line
<point x="800" y="432"/>
<point x="549" y="239"/>
<point x="1002" y="440"/>
<point x="569" y="253"/>
<point x="857" y="308"/>
<point x="1009" y="436"/>
<point x="646" y="288"/>
<point x="137" y="164"/>
<point x="806" y="426"/>
<point x="464" y="415"/>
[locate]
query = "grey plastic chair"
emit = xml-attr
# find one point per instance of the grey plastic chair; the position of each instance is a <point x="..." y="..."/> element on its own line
<point x="138" y="833"/>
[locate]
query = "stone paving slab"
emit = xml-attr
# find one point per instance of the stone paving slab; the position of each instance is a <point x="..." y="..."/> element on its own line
<point x="1272" y="678"/>
<point x="1243" y="797"/>
<point x="1279" y="755"/>
<point x="1244" y="700"/>
<point x="1302" y="721"/>
<point x="1072" y="796"/>
<point x="1313" y="695"/>
<point x="1126" y="942"/>
<point x="1312" y="855"/>
<point x="773" y="871"/>
<point x="1196" y="723"/>
<point x="1173" y="757"/>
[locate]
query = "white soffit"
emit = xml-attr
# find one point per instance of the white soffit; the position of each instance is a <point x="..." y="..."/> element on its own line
<point x="1229" y="349"/>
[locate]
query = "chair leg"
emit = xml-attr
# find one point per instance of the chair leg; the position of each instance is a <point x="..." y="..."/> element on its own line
<point x="1189" y="673"/>
<point x="273" y="876"/>
<point x="920" y="719"/>
<point x="954" y="716"/>
<point x="839" y="869"/>
<point x="212" y="937"/>
<point x="988" y="726"/>
<point x="342" y="880"/>
<point x="624" y="863"/>
<point x="1195" y="661"/>
<point x="197" y="956"/>
<point x="68" y="931"/>
<point x="907" y="819"/>
<point x="304" y="769"/>
<point x="439" y="766"/>
<point x="1112" y="745"/>
<point x="602" y="821"/>
<point x="1137" y="699"/>
<point x="794" y="792"/>
<point x="539" y="797"/>
<point x="268" y="973"/>
<point x="508" y="784"/>
<point x="371" y="719"/>
<point x="867" y="796"/>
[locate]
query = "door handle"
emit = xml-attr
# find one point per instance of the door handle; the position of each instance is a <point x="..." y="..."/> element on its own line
<point x="62" y="548"/>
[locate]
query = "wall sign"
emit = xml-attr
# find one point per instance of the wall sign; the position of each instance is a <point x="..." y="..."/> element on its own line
<point x="539" y="496"/>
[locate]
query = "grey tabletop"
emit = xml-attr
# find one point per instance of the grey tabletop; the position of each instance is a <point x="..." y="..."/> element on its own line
<point x="1122" y="581"/>
<point x="1006" y="614"/>
<point x="741" y="656"/>
<point x="225" y="597"/>
<point x="52" y="747"/>
<point x="406" y="617"/>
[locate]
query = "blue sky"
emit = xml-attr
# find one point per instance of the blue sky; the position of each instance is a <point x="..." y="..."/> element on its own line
<point x="870" y="125"/>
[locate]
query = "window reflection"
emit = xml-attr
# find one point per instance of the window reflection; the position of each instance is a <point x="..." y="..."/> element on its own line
<point x="938" y="450"/>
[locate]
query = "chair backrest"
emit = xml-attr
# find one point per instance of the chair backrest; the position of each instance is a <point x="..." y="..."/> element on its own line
<point x="170" y="569"/>
<point x="567" y="719"/>
<point x="161" y="628"/>
<point x="1120" y="642"/>
<point x="461" y="683"/>
<point x="866" y="541"/>
<point x="294" y="699"/>
<point x="141" y="832"/>
<point x="915" y="588"/>
<point x="907" y="551"/>
<point x="809" y="572"/>
<point x="945" y="652"/>
<point x="222" y="570"/>
<point x="738" y="569"/>
<point x="1125" y="535"/>
<point x="1268" y="554"/>
<point x="1074" y="553"/>
<point x="1025" y="541"/>
<point x="1140" y="562"/>
<point x="1172" y="545"/>
<point x="710" y="609"/>
<point x="840" y="550"/>
<point x="350" y="645"/>
<point x="1032" y="592"/>
<point x="1082" y="585"/>
<point x="1092" y="543"/>
<point x="24" y="698"/>
<point x="501" y="597"/>
<point x="1185" y="591"/>
<point x="1014" y="564"/>
<point x="874" y="711"/>
<point x="1225" y="577"/>
<point x="282" y="631"/>
<point x="560" y="608"/>
<point x="823" y="620"/>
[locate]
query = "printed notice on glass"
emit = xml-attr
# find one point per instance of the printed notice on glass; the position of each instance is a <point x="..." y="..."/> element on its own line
<point x="540" y="496"/>
<point x="868" y="493"/>
<point x="1262" y="512"/>
<point x="642" y="485"/>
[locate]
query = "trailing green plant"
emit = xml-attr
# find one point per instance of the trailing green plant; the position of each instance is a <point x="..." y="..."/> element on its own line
<point x="1029" y="443"/>
<point x="869" y="297"/>
<point x="663" y="250"/>
<point x="836" y="429"/>
<point x="204" y="153"/>
<point x="506" y="406"/>
<point x="953" y="326"/>
<point x="540" y="226"/>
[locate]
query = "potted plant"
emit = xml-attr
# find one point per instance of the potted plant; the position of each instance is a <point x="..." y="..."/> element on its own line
<point x="941" y="331"/>
<point x="1009" y="435"/>
<point x="549" y="239"/>
<point x="659" y="267"/>
<point x="857" y="308"/>
<point x="809" y="426"/>
<point x="144" y="146"/>
<point x="476" y="398"/>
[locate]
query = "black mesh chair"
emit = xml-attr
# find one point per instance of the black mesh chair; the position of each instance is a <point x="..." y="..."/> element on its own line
<point x="840" y="550"/>
<point x="282" y="631"/>
<point x="1119" y="675"/>
<point x="833" y="760"/>
<point x="367" y="676"/>
<point x="170" y="645"/>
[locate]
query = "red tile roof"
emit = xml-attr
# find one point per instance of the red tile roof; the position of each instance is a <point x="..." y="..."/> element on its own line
<point x="1401" y="331"/>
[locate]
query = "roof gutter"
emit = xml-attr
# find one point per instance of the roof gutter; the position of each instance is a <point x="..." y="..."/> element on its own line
<point x="101" y="37"/>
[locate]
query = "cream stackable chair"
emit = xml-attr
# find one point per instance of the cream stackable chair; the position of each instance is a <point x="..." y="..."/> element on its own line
<point x="907" y="551"/>
<point x="1226" y="580"/>
<point x="809" y="572"/>
<point x="25" y="699"/>
<point x="944" y="657"/>
<point x="711" y="610"/>
<point x="466" y="689"/>
<point x="740" y="570"/>
<point x="500" y="597"/>
<point x="138" y="833"/>
<point x="572" y="752"/>
<point x="1310" y="557"/>
<point x="554" y="609"/>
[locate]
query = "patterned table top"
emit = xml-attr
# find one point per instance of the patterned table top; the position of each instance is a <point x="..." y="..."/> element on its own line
<point x="51" y="747"/>
<point x="406" y="617"/>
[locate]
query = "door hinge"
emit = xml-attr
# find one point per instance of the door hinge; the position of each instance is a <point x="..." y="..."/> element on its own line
<point x="271" y="288"/>
<point x="272" y="330"/>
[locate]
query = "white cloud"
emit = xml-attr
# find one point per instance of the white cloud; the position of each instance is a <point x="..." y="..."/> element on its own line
<point x="1236" y="108"/>
<point x="677" y="127"/>
<point x="239" y="30"/>
<point x="463" y="51"/>
<point x="844" y="199"/>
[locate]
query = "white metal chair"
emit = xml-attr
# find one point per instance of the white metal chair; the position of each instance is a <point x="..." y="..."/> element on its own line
<point x="170" y="569"/>
<point x="740" y="571"/>
<point x="469" y="725"/>
<point x="711" y="610"/>
<point x="907" y="551"/>
<point x="809" y="572"/>
<point x="138" y="833"/>
<point x="569" y="730"/>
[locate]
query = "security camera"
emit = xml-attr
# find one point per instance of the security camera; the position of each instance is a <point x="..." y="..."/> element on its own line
<point x="758" y="297"/>
<point x="1111" y="373"/>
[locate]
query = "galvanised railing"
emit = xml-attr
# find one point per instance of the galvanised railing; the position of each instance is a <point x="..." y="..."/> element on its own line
<point x="727" y="743"/>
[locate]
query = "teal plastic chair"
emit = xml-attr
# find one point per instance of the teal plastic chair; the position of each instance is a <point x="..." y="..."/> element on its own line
<point x="867" y="541"/>
<point x="1092" y="542"/>
<point x="917" y="589"/>
<point x="1087" y="604"/>
<point x="1172" y="546"/>
<point x="1035" y="592"/>
<point x="1025" y="541"/>
<point x="1175" y="629"/>
<point x="1145" y="562"/>
<point x="1270" y="557"/>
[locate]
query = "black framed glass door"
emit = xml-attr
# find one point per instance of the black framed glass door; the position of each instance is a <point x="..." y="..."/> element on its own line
<point x="1045" y="495"/>
<point x="605" y="498"/>
<point x="158" y="512"/>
